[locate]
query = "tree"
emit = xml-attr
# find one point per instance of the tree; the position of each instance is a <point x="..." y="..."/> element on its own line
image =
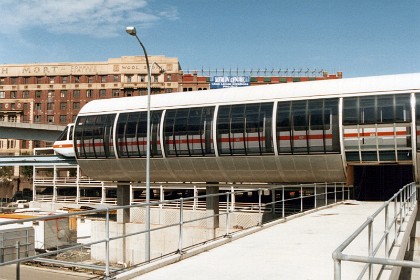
<point x="27" y="172"/>
<point x="6" y="172"/>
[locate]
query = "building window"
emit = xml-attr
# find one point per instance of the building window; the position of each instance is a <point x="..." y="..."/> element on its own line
<point x="1" y="81"/>
<point x="25" y="106"/>
<point x="76" y="93"/>
<point x="11" y="144"/>
<point x="51" y="79"/>
<point x="63" y="118"/>
<point x="38" y="106"/>
<point x="142" y="78"/>
<point x="50" y="118"/>
<point x="2" y="94"/>
<point x="89" y="93"/>
<point x="13" y="94"/>
<point x="155" y="78"/>
<point x="12" y="106"/>
<point x="63" y="105"/>
<point x="77" y="79"/>
<point x="25" y="94"/>
<point x="169" y="78"/>
<point x="38" y="94"/>
<point x="102" y="93"/>
<point x="24" y="144"/>
<point x="103" y="79"/>
<point x="64" y="79"/>
<point x="14" y="81"/>
<point x="129" y="78"/>
<point x="116" y="78"/>
<point x="76" y="105"/>
<point x="37" y="118"/>
<point x="50" y="94"/>
<point x="26" y="80"/>
<point x="63" y="94"/>
<point x="50" y="106"/>
<point x="90" y="79"/>
<point x="13" y="118"/>
<point x="115" y="93"/>
<point x="39" y="80"/>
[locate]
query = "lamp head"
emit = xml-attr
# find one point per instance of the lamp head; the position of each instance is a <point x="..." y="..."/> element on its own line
<point x="131" y="30"/>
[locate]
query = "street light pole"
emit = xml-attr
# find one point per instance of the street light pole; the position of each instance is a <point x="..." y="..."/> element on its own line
<point x="132" y="31"/>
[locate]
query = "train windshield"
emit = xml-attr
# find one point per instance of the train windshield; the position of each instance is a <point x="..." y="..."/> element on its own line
<point x="63" y="135"/>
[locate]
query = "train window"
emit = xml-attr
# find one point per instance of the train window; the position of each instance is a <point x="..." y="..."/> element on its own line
<point x="299" y="115"/>
<point x="368" y="109"/>
<point x="314" y="126"/>
<point x="402" y="108"/>
<point x="187" y="132"/>
<point x="351" y="111"/>
<point x="284" y="137"/>
<point x="71" y="132"/>
<point x="245" y="129"/>
<point x="316" y="121"/>
<point x="93" y="136"/>
<point x="316" y="115"/>
<point x="132" y="134"/>
<point x="377" y="109"/>
<point x="63" y="135"/>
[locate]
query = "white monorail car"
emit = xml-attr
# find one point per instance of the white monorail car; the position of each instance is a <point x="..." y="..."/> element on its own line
<point x="301" y="132"/>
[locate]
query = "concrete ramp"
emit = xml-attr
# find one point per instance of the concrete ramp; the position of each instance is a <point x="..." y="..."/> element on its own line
<point x="298" y="249"/>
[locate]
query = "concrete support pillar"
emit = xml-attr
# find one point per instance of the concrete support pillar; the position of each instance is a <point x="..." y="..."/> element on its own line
<point x="123" y="198"/>
<point x="212" y="207"/>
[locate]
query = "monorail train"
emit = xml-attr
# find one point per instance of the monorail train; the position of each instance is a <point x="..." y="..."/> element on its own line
<point x="64" y="143"/>
<point x="299" y="132"/>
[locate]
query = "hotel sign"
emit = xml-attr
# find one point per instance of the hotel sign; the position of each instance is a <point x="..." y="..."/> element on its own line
<point x="229" y="81"/>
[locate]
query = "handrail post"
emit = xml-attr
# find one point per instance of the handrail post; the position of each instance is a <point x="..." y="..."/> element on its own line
<point x="370" y="246"/>
<point x="335" y="192"/>
<point x="337" y="269"/>
<point x="18" y="263"/>
<point x="395" y="221"/>
<point x="227" y="213"/>
<point x="107" y="244"/>
<point x="259" y="207"/>
<point x="326" y="194"/>
<point x="401" y="214"/>
<point x="181" y="221"/>
<point x="282" y="199"/>
<point x="301" y="198"/>
<point x="315" y="196"/>
<point x="343" y="194"/>
<point x="386" y="233"/>
<point x="195" y="191"/>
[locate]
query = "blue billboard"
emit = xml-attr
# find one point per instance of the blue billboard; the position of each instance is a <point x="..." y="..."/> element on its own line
<point x="229" y="81"/>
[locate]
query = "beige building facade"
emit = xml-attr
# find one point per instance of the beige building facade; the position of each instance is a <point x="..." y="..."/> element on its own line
<point x="53" y="93"/>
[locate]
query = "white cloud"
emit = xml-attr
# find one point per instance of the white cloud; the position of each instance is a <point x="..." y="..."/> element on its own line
<point x="79" y="16"/>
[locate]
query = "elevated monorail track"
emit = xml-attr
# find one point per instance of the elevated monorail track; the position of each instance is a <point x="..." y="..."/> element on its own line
<point x="37" y="160"/>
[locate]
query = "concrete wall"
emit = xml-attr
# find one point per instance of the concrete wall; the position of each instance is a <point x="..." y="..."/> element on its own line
<point x="131" y="250"/>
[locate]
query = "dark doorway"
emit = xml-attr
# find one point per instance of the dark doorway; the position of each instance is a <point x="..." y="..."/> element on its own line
<point x="381" y="182"/>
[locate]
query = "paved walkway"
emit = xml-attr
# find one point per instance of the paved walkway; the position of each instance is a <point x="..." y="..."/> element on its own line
<point x="298" y="249"/>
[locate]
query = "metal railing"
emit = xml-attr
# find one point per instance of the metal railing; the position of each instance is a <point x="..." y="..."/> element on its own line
<point x="395" y="231"/>
<point x="281" y="202"/>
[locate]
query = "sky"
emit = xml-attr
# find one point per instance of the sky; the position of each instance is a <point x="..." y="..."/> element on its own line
<point x="357" y="37"/>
